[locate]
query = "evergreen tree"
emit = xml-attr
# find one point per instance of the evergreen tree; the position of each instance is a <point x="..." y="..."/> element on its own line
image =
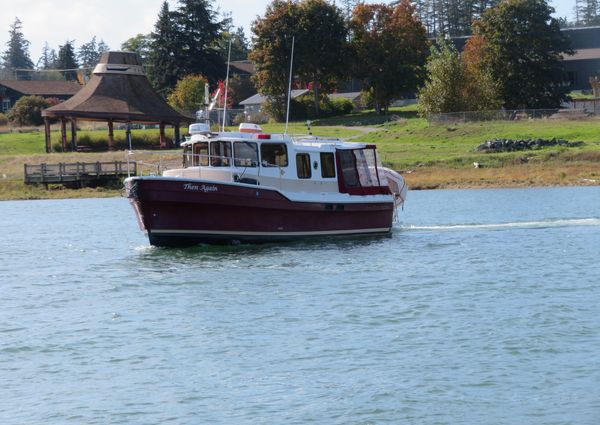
<point x="165" y="64"/>
<point x="239" y="45"/>
<point x="88" y="55"/>
<point x="17" y="52"/>
<point x="46" y="60"/>
<point x="102" y="47"/>
<point x="67" y="61"/>
<point x="587" y="12"/>
<point x="197" y="33"/>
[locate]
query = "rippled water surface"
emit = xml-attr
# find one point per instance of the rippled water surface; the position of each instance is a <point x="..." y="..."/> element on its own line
<point x="483" y="307"/>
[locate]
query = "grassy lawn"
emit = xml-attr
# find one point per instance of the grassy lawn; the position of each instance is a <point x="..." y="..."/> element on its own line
<point x="430" y="156"/>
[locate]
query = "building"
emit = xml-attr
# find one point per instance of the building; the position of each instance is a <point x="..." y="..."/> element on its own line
<point x="585" y="63"/>
<point x="13" y="90"/>
<point x="579" y="67"/>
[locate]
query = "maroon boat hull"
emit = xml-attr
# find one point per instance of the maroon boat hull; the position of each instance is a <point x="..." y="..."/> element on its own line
<point x="179" y="212"/>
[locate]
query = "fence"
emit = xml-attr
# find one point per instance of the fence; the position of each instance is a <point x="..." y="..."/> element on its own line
<point x="510" y="115"/>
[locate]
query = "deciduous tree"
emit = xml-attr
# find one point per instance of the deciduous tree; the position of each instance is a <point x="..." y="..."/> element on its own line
<point x="140" y="44"/>
<point x="189" y="93"/>
<point x="524" y="48"/>
<point x="390" y="49"/>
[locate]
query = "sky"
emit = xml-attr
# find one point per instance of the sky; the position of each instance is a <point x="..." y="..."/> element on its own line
<point x="114" y="21"/>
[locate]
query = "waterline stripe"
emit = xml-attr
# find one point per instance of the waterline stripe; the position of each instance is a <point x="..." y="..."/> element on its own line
<point x="241" y="233"/>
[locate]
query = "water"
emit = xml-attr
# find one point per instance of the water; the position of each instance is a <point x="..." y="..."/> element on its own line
<point x="481" y="308"/>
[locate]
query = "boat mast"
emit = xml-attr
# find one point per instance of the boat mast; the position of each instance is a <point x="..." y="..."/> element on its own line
<point x="226" y="86"/>
<point x="287" y="115"/>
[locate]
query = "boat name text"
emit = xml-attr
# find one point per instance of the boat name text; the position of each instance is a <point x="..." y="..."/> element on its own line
<point x="200" y="187"/>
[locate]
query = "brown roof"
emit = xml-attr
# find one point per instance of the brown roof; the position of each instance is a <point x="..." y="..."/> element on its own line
<point x="242" y="67"/>
<point x="43" y="88"/>
<point x="118" y="90"/>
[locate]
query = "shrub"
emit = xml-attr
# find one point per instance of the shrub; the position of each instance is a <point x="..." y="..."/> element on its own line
<point x="3" y="120"/>
<point x="28" y="111"/>
<point x="98" y="141"/>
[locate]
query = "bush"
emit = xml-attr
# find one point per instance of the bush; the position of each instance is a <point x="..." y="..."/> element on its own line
<point x="3" y="120"/>
<point x="28" y="111"/>
<point x="304" y="108"/>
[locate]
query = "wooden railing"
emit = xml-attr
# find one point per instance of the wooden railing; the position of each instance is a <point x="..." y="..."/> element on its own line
<point x="81" y="173"/>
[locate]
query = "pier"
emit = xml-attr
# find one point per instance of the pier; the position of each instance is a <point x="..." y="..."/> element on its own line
<point x="79" y="174"/>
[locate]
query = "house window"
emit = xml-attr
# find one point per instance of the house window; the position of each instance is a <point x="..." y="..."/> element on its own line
<point x="303" y="165"/>
<point x="5" y="105"/>
<point x="273" y="155"/>
<point x="327" y="165"/>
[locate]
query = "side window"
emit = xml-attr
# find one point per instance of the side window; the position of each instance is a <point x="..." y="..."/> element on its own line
<point x="273" y="155"/>
<point x="327" y="165"/>
<point x="201" y="154"/>
<point x="303" y="165"/>
<point x="246" y="154"/>
<point x="220" y="154"/>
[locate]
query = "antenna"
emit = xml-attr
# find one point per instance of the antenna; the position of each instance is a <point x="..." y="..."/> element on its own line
<point x="226" y="85"/>
<point x="287" y="115"/>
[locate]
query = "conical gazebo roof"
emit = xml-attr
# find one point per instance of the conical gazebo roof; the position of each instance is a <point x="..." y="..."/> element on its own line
<point x="119" y="91"/>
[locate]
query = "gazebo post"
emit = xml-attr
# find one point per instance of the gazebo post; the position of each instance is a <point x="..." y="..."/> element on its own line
<point x="163" y="139"/>
<point x="111" y="136"/>
<point x="177" y="135"/>
<point x="73" y="134"/>
<point x="47" y="134"/>
<point x="63" y="134"/>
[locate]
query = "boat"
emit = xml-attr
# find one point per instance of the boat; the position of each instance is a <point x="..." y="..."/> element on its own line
<point x="249" y="186"/>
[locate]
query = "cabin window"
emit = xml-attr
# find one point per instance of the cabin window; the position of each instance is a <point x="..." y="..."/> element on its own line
<point x="348" y="166"/>
<point x="220" y="154"/>
<point x="246" y="154"/>
<point x="366" y="167"/>
<point x="303" y="165"/>
<point x="200" y="154"/>
<point x="327" y="165"/>
<point x="273" y="155"/>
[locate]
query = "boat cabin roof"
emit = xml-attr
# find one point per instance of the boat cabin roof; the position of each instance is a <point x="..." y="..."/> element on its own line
<point x="305" y="142"/>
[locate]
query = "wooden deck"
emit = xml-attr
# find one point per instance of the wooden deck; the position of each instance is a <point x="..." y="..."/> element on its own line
<point x="79" y="174"/>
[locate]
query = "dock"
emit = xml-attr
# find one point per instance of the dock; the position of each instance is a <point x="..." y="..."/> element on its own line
<point x="79" y="174"/>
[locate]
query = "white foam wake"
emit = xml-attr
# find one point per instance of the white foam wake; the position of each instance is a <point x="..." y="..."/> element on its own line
<point x="522" y="224"/>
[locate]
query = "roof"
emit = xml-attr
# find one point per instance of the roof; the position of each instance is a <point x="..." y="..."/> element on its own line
<point x="259" y="99"/>
<point x="43" y="88"/>
<point x="583" y="54"/>
<point x="118" y="90"/>
<point x="242" y="67"/>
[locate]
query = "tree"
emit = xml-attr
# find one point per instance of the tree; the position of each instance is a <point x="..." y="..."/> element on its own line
<point x="524" y="48"/>
<point x="456" y="83"/>
<point x="46" y="61"/>
<point x="183" y="43"/>
<point x="390" y="49"/>
<point x="198" y="32"/>
<point x="140" y="44"/>
<point x="189" y="93"/>
<point x="239" y="45"/>
<point x="319" y="53"/>
<point x="240" y="89"/>
<point x="17" y="52"/>
<point x="28" y="110"/>
<point x="88" y="55"/>
<point x="67" y="61"/>
<point x="165" y="66"/>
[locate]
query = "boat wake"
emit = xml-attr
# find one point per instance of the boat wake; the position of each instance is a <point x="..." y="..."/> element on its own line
<point x="515" y="225"/>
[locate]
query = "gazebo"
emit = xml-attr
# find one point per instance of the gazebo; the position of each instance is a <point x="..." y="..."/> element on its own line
<point x="117" y="92"/>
